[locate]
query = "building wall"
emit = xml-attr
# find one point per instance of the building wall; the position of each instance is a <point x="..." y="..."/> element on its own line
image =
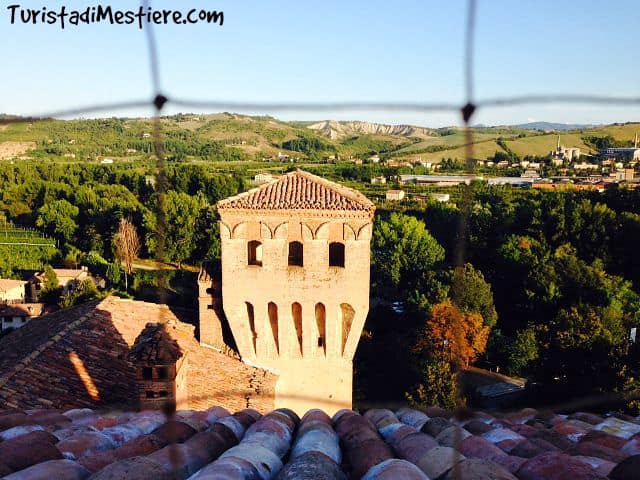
<point x="306" y="321"/>
<point x="15" y="294"/>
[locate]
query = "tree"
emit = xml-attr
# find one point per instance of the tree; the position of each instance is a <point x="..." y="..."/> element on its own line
<point x="523" y="351"/>
<point x="402" y="252"/>
<point x="180" y="238"/>
<point x="452" y="335"/>
<point x="50" y="290"/>
<point x="439" y="386"/>
<point x="84" y="292"/>
<point x="58" y="219"/>
<point x="127" y="245"/>
<point x="471" y="293"/>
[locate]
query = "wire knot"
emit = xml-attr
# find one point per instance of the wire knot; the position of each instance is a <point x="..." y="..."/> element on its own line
<point x="159" y="101"/>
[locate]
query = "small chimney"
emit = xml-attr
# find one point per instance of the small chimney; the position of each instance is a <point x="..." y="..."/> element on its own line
<point x="161" y="369"/>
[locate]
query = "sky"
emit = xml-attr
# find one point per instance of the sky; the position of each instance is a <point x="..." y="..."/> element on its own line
<point x="331" y="50"/>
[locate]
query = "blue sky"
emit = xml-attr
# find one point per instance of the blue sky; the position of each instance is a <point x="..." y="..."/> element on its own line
<point x="286" y="50"/>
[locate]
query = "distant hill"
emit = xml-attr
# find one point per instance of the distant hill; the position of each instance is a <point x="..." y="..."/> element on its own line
<point x="551" y="126"/>
<point x="336" y="130"/>
<point x="230" y="136"/>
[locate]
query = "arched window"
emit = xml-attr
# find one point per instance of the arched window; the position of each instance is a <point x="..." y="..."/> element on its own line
<point x="296" y="313"/>
<point x="252" y="324"/>
<point x="272" y="310"/>
<point x="347" y="320"/>
<point x="321" y="323"/>
<point x="296" y="258"/>
<point x="254" y="253"/>
<point x="336" y="254"/>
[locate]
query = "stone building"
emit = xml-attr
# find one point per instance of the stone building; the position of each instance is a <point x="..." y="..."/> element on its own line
<point x="294" y="285"/>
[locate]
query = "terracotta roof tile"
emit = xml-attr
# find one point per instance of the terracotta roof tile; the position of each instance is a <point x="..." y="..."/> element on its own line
<point x="279" y="445"/>
<point x="299" y="191"/>
<point x="49" y="362"/>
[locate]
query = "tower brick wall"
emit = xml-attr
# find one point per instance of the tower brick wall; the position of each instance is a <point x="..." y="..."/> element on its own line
<point x="295" y="285"/>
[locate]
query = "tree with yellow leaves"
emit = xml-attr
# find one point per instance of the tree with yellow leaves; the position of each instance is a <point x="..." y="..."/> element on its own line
<point x="452" y="335"/>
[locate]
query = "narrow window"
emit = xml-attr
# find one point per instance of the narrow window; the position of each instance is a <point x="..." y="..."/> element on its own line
<point x="296" y="254"/>
<point x="163" y="394"/>
<point x="296" y="313"/>
<point x="147" y="373"/>
<point x="254" y="253"/>
<point x="272" y="309"/>
<point x="149" y="394"/>
<point x="252" y="324"/>
<point x="321" y="322"/>
<point x="163" y="373"/>
<point x="347" y="320"/>
<point x="336" y="254"/>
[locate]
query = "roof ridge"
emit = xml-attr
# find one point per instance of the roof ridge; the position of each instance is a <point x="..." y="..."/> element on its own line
<point x="295" y="202"/>
<point x="26" y="361"/>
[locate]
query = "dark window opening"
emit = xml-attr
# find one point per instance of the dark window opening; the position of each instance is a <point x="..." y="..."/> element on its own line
<point x="163" y="394"/>
<point x="163" y="373"/>
<point x="296" y="258"/>
<point x="254" y="253"/>
<point x="147" y="373"/>
<point x="320" y="342"/>
<point x="336" y="254"/>
<point x="149" y="394"/>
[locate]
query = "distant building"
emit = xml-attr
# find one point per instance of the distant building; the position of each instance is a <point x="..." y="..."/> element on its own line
<point x="374" y="159"/>
<point x="16" y="315"/>
<point x="441" y="197"/>
<point x="625" y="174"/>
<point x="565" y="153"/>
<point x="585" y="166"/>
<point x="395" y="195"/>
<point x="514" y="181"/>
<point x="283" y="157"/>
<point x="68" y="280"/>
<point x="439" y="180"/>
<point x="530" y="174"/>
<point x="107" y="161"/>
<point x="378" y="180"/>
<point x="262" y="177"/>
<point x="624" y="154"/>
<point x="12" y="291"/>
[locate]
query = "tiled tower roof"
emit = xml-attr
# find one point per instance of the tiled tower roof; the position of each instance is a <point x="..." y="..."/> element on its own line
<point x="299" y="190"/>
<point x="154" y="345"/>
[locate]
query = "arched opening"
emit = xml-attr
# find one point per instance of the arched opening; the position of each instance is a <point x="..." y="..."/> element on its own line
<point x="321" y="323"/>
<point x="348" y="313"/>
<point x="252" y="325"/>
<point x="296" y="258"/>
<point x="254" y="253"/>
<point x="272" y="309"/>
<point x="296" y="313"/>
<point x="336" y="254"/>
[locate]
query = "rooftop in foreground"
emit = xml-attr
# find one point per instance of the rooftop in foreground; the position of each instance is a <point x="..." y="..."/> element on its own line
<point x="380" y="444"/>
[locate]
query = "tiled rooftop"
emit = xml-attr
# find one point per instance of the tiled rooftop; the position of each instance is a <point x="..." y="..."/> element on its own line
<point x="79" y="357"/>
<point x="378" y="445"/>
<point x="299" y="191"/>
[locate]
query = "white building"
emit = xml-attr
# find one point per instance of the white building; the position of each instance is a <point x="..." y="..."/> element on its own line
<point x="395" y="195"/>
<point x="12" y="291"/>
<point x="263" y="178"/>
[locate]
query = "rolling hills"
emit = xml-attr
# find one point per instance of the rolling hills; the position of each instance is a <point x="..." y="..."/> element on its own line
<point x="228" y="136"/>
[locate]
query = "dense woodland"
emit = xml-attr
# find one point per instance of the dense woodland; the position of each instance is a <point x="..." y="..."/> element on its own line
<point x="540" y="284"/>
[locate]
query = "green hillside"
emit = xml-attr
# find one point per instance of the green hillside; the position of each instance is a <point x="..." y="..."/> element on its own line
<point x="233" y="137"/>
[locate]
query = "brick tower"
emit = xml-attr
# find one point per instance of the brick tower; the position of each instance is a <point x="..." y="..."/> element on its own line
<point x="295" y="284"/>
